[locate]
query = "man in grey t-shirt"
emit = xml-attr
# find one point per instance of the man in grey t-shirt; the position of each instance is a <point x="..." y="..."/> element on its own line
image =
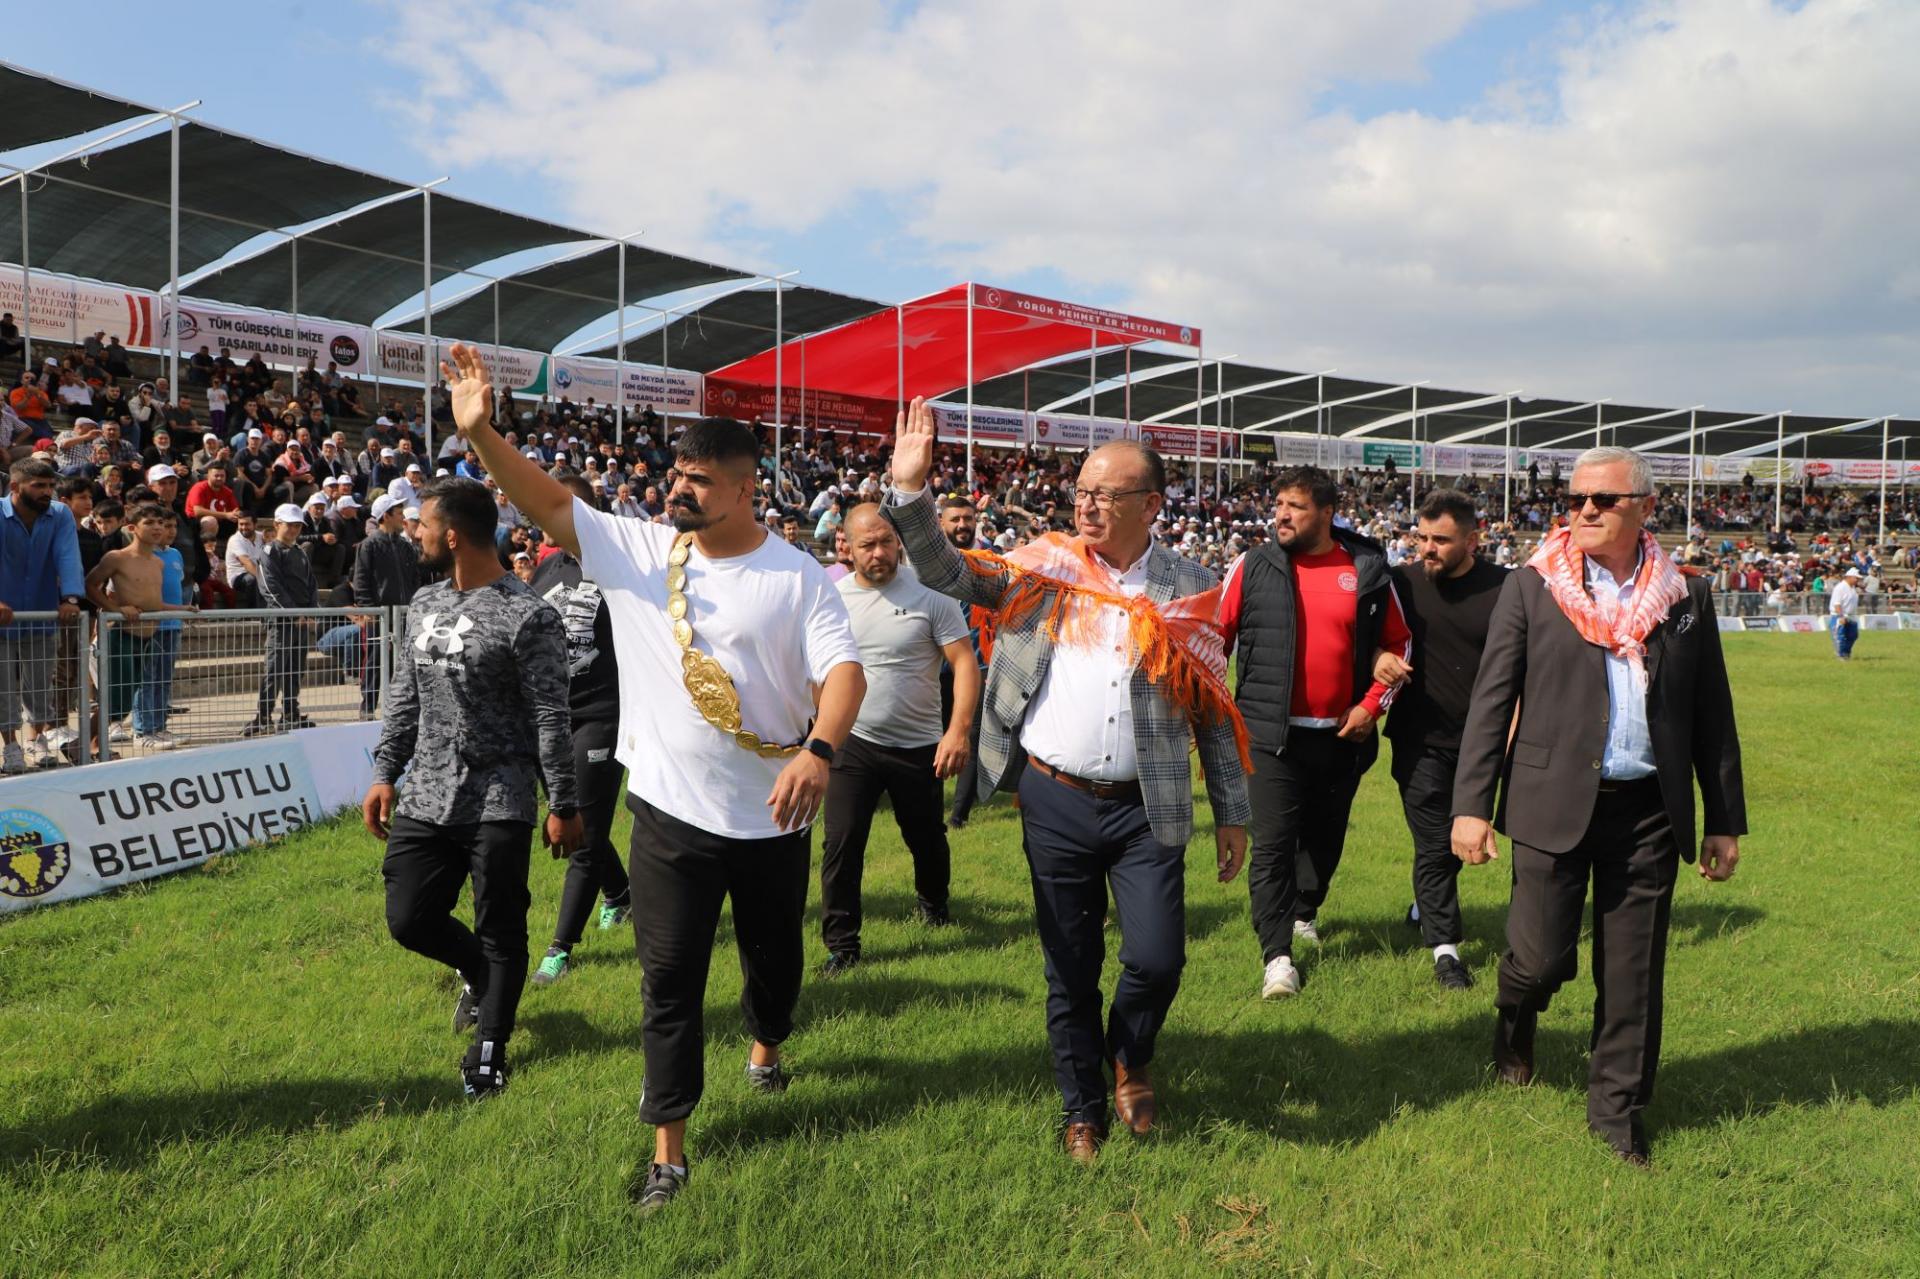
<point x="898" y="747"/>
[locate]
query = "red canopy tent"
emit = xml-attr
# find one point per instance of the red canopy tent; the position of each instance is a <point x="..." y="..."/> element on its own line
<point x="857" y="376"/>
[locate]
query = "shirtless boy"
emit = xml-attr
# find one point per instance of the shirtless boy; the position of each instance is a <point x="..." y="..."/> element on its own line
<point x="131" y="582"/>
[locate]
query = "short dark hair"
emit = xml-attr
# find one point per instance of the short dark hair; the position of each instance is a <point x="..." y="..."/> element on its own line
<point x="1450" y="502"/>
<point x="1319" y="485"/>
<point x="717" y="439"/>
<point x="958" y="502"/>
<point x="30" y="468"/>
<point x="73" y="486"/>
<point x="108" y="510"/>
<point x="145" y="511"/>
<point x="577" y="486"/>
<point x="466" y="505"/>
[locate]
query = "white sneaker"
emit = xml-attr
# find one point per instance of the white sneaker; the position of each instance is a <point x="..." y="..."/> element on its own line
<point x="1303" y="930"/>
<point x="121" y="732"/>
<point x="1282" y="979"/>
<point x="13" y="759"/>
<point x="59" y="737"/>
<point x="154" y="742"/>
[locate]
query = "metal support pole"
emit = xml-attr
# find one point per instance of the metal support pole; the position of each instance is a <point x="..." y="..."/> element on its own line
<point x="1779" y="468"/>
<point x="26" y="283"/>
<point x="779" y="378"/>
<point x="1319" y="414"/>
<point x="100" y="675"/>
<point x="293" y="258"/>
<point x="428" y="365"/>
<point x="1693" y="417"/>
<point x="620" y="352"/>
<point x="173" y="250"/>
<point x="900" y="357"/>
<point x="1506" y="481"/>
<point x="496" y="330"/>
<point x="77" y="632"/>
<point x="1596" y="425"/>
<point x="1885" y="425"/>
<point x="1413" y="472"/>
<point x="968" y="485"/>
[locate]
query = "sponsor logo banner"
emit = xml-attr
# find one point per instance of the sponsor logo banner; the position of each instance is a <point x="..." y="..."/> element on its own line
<point x="823" y="410"/>
<point x="1802" y="624"/>
<point x="519" y="372"/>
<point x="63" y="309"/>
<point x="646" y="385"/>
<point x="1879" y="622"/>
<point x="272" y="334"/>
<point x="1403" y="455"/>
<point x="1001" y="428"/>
<point x="1092" y="317"/>
<point x="1258" y="446"/>
<point x="1733" y="623"/>
<point x="85" y="830"/>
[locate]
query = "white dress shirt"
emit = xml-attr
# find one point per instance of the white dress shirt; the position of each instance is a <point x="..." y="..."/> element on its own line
<point x="1081" y="719"/>
<point x="1629" y="751"/>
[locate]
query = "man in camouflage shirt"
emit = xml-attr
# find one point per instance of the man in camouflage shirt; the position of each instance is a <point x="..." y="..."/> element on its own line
<point x="477" y="713"/>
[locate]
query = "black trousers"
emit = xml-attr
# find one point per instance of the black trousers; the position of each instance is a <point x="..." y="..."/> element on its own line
<point x="1425" y="777"/>
<point x="594" y="868"/>
<point x="1076" y="846"/>
<point x="424" y="868"/>
<point x="966" y="784"/>
<point x="680" y="875"/>
<point x="862" y="773"/>
<point x="1630" y="855"/>
<point x="1301" y="799"/>
<point x="286" y="664"/>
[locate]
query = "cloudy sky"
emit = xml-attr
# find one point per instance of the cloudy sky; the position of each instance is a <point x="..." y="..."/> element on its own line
<point x="1672" y="201"/>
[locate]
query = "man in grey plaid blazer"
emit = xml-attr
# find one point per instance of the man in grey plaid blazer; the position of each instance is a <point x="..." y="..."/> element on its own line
<point x="1098" y="756"/>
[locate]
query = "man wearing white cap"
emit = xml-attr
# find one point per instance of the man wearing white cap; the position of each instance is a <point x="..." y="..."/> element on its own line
<point x="286" y="581"/>
<point x="1845" y="607"/>
<point x="406" y="487"/>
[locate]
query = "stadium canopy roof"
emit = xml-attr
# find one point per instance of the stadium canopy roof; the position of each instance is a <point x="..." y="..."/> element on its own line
<point x="42" y="109"/>
<point x="362" y="265"/>
<point x="742" y="323"/>
<point x="921" y="347"/>
<point x="538" y="308"/>
<point x="105" y="214"/>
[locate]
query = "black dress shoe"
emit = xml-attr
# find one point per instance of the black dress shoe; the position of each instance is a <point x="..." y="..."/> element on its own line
<point x="932" y="918"/>
<point x="1513" y="1047"/>
<point x="1629" y="1144"/>
<point x="1452" y="974"/>
<point x="840" y="961"/>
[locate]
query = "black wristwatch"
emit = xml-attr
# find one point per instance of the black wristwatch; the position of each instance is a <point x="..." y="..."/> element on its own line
<point x="820" y="748"/>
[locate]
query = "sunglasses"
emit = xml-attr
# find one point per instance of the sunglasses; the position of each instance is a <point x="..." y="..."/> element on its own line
<point x="1601" y="501"/>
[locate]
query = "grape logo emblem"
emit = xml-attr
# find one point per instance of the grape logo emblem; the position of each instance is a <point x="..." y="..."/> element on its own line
<point x="34" y="854"/>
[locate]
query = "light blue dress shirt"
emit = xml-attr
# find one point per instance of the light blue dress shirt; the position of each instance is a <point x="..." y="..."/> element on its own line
<point x="1629" y="753"/>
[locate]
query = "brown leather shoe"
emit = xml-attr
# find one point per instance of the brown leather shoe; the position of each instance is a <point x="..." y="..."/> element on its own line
<point x="1133" y="1098"/>
<point x="1513" y="1047"/>
<point x="1083" y="1142"/>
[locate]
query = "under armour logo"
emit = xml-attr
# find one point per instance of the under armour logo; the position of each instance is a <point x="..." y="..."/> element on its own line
<point x="444" y="638"/>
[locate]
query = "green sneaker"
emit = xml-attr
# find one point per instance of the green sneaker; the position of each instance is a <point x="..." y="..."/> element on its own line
<point x="612" y="916"/>
<point x="551" y="969"/>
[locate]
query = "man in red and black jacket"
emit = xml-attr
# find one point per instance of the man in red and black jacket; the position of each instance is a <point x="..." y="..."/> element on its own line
<point x="1309" y="612"/>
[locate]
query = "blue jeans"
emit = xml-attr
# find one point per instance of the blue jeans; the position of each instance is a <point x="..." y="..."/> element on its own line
<point x="151" y="699"/>
<point x="1844" y="635"/>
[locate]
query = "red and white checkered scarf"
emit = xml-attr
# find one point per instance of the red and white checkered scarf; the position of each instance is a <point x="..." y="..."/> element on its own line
<point x="1621" y="631"/>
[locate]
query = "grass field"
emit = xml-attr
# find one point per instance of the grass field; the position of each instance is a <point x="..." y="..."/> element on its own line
<point x="234" y="1071"/>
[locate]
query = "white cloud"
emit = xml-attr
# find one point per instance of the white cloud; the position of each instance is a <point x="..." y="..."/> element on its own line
<point x="1688" y="202"/>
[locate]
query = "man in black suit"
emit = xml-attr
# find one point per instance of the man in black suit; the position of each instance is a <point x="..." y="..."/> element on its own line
<point x="1614" y="660"/>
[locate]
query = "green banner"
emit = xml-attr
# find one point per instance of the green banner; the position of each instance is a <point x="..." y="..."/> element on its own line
<point x="1402" y="454"/>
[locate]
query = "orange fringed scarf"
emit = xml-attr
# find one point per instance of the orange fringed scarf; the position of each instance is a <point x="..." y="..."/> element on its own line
<point x="1179" y="644"/>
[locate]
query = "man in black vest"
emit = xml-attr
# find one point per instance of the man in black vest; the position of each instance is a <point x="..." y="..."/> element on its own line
<point x="1310" y="609"/>
<point x="1613" y="658"/>
<point x="1448" y="595"/>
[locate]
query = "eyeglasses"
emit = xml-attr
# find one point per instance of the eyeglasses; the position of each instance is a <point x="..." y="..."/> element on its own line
<point x="1601" y="501"/>
<point x="1102" y="499"/>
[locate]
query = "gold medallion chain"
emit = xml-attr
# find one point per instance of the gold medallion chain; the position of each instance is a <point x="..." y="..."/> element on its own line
<point x="708" y="683"/>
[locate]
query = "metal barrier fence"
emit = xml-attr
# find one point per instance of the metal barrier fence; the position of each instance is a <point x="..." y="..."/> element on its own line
<point x="174" y="680"/>
<point x="1802" y="603"/>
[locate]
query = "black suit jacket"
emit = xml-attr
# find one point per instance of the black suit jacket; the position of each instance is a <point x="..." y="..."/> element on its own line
<point x="1551" y="773"/>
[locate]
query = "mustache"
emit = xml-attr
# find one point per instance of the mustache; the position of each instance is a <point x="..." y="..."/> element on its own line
<point x="685" y="504"/>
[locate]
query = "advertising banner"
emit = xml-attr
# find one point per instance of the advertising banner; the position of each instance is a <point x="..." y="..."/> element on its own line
<point x="647" y="385"/>
<point x="520" y="372"/>
<point x="1258" y="446"/>
<point x="1733" y="623"/>
<point x="271" y="334"/>
<point x="64" y="309"/>
<point x="82" y="831"/>
<point x="1001" y="428"/>
<point x="1879" y="622"/>
<point x="1802" y="624"/>
<point x="1092" y="317"/>
<point x="1467" y="459"/>
<point x="824" y="410"/>
<point x="1403" y="455"/>
<point x="1061" y="431"/>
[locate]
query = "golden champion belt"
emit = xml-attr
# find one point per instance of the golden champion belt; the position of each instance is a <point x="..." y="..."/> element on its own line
<point x="708" y="683"/>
